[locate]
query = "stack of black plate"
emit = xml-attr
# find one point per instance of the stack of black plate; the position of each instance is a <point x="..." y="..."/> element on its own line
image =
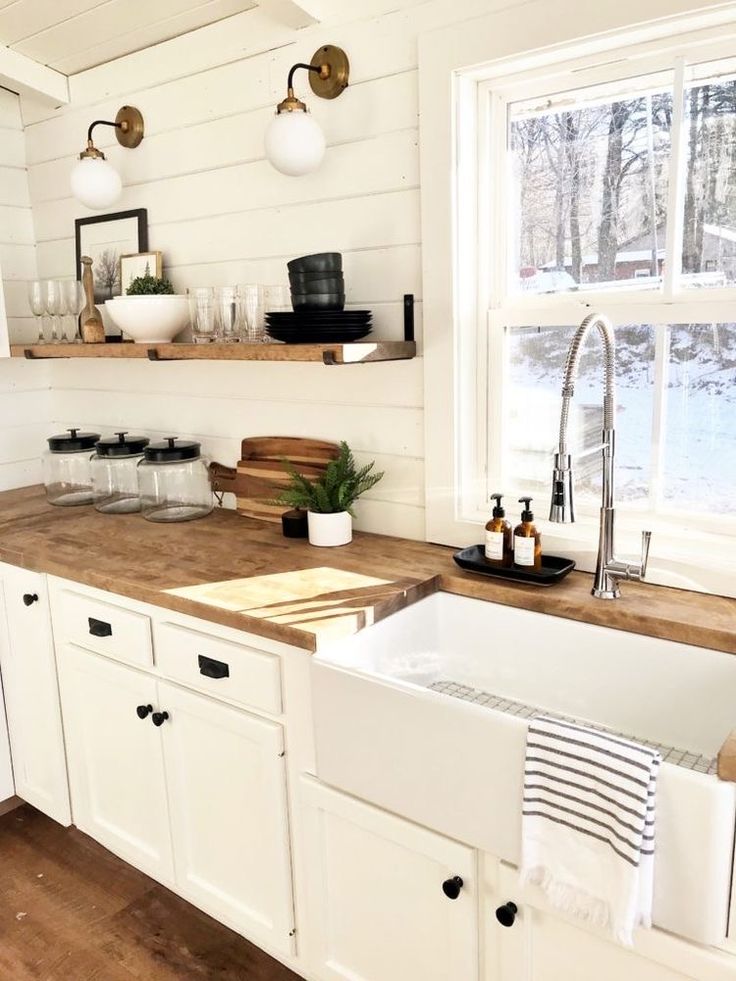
<point x="319" y="326"/>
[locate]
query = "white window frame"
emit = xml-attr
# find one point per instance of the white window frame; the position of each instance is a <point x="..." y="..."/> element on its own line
<point x="463" y="287"/>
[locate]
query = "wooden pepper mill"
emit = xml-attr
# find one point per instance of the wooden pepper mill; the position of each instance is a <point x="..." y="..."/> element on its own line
<point x="93" y="330"/>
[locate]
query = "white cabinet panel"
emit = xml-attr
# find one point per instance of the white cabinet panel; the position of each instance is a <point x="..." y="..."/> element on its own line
<point x="227" y="798"/>
<point x="545" y="945"/>
<point x="32" y="694"/>
<point x="116" y="765"/>
<point x="232" y="672"/>
<point x="103" y="627"/>
<point x="377" y="908"/>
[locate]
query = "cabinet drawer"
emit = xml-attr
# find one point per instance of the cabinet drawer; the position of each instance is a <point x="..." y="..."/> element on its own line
<point x="105" y="628"/>
<point x="231" y="671"/>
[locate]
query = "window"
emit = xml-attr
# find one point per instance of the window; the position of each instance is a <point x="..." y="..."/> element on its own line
<point x="617" y="197"/>
<point x="596" y="179"/>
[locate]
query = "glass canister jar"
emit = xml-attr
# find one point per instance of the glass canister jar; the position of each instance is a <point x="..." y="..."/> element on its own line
<point x="173" y="481"/>
<point x="67" y="472"/>
<point x="115" y="473"/>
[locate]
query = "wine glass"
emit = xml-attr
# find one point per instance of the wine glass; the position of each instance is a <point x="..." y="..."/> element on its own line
<point x="52" y="302"/>
<point x="37" y="303"/>
<point x="74" y="300"/>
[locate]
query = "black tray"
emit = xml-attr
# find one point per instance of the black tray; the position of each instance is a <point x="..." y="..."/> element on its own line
<point x="554" y="567"/>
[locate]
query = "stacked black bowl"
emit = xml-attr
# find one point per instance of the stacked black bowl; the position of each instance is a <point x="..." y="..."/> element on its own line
<point x="317" y="282"/>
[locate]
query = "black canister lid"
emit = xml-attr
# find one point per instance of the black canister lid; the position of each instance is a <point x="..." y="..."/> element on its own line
<point x="122" y="445"/>
<point x="173" y="448"/>
<point x="72" y="440"/>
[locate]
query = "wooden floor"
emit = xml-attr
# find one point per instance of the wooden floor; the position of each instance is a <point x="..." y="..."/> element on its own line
<point x="71" y="911"/>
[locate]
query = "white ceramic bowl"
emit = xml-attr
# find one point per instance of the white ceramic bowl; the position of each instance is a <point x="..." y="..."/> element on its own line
<point x="149" y="319"/>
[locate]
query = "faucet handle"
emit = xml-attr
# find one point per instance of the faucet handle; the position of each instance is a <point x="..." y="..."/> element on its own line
<point x="646" y="538"/>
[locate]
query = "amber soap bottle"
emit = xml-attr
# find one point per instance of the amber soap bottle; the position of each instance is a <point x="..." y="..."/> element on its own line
<point x="527" y="540"/>
<point x="498" y="547"/>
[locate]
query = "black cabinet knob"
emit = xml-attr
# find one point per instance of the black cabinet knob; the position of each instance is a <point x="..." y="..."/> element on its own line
<point x="451" y="887"/>
<point x="158" y="718"/>
<point x="144" y="711"/>
<point x="30" y="598"/>
<point x="506" y="914"/>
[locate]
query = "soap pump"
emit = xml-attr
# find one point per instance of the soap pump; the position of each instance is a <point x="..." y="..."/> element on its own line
<point x="527" y="540"/>
<point x="498" y="547"/>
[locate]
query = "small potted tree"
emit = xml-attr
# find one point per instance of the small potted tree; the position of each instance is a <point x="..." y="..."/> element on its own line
<point x="329" y="500"/>
<point x="150" y="312"/>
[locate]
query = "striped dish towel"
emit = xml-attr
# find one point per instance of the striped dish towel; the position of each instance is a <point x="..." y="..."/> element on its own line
<point x="588" y="822"/>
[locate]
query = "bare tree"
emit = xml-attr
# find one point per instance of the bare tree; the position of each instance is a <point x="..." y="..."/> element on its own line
<point x="107" y="270"/>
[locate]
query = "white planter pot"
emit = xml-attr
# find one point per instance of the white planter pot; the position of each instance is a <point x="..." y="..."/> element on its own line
<point x="327" y="530"/>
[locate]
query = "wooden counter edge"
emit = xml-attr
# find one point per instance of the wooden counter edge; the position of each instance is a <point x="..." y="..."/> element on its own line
<point x="727" y="758"/>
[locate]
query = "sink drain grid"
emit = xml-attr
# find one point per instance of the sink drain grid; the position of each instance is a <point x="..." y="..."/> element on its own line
<point x="670" y="754"/>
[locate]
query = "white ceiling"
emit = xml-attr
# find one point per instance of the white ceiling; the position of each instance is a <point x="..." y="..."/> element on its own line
<point x="73" y="35"/>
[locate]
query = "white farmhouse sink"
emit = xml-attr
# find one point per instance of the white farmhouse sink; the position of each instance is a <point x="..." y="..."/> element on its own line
<point x="393" y="724"/>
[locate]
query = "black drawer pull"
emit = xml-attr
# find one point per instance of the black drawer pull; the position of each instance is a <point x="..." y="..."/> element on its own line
<point x="30" y="598"/>
<point x="158" y="718"/>
<point x="98" y="628"/>
<point x="144" y="711"/>
<point x="213" y="669"/>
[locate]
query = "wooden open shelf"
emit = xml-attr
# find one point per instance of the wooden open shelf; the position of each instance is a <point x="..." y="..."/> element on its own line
<point x="359" y="352"/>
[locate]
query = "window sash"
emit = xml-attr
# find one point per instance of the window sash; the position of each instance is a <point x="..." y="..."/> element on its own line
<point x="682" y="64"/>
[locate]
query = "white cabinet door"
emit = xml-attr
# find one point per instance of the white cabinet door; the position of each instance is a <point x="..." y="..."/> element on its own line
<point x="32" y="693"/>
<point x="116" y="765"/>
<point x="542" y="945"/>
<point x="377" y="908"/>
<point x="227" y="799"/>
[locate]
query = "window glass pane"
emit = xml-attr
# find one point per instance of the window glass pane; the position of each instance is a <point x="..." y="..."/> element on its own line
<point x="590" y="192"/>
<point x="700" y="441"/>
<point x="709" y="226"/>
<point x="536" y="358"/>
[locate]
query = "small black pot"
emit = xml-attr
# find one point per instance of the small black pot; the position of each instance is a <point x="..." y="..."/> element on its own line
<point x="319" y="262"/>
<point x="333" y="284"/>
<point x="319" y="301"/>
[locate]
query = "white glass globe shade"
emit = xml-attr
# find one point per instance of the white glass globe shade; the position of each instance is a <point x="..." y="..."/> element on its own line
<point x="295" y="143"/>
<point x="96" y="183"/>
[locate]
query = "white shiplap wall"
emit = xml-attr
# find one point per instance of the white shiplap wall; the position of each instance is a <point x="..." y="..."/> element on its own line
<point x="221" y="214"/>
<point x="25" y="404"/>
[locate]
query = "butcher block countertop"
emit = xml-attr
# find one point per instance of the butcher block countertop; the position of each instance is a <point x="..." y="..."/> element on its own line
<point x="244" y="574"/>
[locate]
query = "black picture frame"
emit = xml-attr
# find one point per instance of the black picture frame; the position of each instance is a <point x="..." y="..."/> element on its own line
<point x="139" y="214"/>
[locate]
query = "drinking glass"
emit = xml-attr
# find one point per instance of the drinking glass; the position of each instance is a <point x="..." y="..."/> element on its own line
<point x="37" y="303"/>
<point x="74" y="300"/>
<point x="226" y="311"/>
<point x="251" y="328"/>
<point x="202" y="313"/>
<point x="276" y="299"/>
<point x="52" y="302"/>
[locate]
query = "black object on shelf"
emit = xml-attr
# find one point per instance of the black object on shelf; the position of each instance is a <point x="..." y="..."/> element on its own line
<point x="554" y="567"/>
<point x="295" y="524"/>
<point x="506" y="914"/>
<point x="408" y="316"/>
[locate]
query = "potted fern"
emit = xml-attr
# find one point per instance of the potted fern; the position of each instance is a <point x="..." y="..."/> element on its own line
<point x="329" y="500"/>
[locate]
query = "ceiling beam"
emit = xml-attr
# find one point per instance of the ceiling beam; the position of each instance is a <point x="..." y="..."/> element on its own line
<point x="28" y="77"/>
<point x="293" y="13"/>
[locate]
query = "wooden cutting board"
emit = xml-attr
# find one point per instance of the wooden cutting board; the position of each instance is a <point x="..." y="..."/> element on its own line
<point x="260" y="475"/>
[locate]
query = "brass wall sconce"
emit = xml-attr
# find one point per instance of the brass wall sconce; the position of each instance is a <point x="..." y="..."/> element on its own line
<point x="295" y="143"/>
<point x="95" y="182"/>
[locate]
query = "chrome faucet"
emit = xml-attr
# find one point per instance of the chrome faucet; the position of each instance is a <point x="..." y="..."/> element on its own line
<point x="609" y="570"/>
